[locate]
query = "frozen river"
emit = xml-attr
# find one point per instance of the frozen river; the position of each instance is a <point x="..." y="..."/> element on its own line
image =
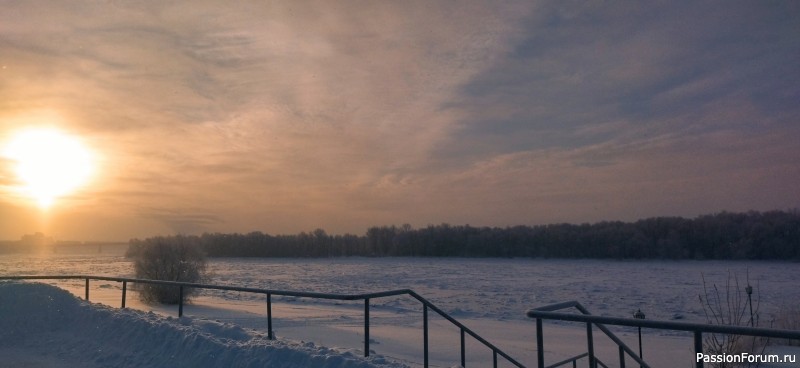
<point x="491" y="288"/>
<point x="490" y="295"/>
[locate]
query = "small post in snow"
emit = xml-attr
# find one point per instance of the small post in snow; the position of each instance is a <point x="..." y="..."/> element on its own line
<point x="270" y="334"/>
<point x="366" y="327"/>
<point x="180" y="301"/>
<point x="124" y="290"/>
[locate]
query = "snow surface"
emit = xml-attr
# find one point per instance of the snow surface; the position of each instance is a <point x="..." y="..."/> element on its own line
<point x="44" y="326"/>
<point x="488" y="295"/>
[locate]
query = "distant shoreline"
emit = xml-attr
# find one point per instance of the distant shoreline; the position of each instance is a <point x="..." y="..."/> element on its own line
<point x="21" y="247"/>
<point x="773" y="235"/>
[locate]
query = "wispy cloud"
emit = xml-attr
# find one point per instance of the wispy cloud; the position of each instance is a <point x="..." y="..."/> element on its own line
<point x="580" y="67"/>
<point x="297" y="115"/>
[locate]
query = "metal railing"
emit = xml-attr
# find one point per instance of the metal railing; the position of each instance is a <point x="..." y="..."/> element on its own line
<point x="698" y="329"/>
<point x="593" y="360"/>
<point x="426" y="305"/>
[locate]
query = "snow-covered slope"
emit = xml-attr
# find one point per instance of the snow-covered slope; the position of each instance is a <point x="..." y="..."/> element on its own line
<point x="44" y="326"/>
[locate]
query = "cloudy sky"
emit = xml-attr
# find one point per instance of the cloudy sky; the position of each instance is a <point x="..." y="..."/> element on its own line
<point x="288" y="116"/>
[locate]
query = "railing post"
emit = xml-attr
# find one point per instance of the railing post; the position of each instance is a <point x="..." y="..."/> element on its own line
<point x="463" y="350"/>
<point x="87" y="289"/>
<point x="270" y="334"/>
<point x="640" y="346"/>
<point x="494" y="358"/>
<point x="590" y="341"/>
<point x="124" y="290"/>
<point x="698" y="348"/>
<point x="425" y="333"/>
<point x="539" y="343"/>
<point x="180" y="301"/>
<point x="621" y="357"/>
<point x="366" y="327"/>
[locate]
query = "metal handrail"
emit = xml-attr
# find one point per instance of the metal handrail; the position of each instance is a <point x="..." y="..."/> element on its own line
<point x="697" y="328"/>
<point x="623" y="348"/>
<point x="426" y="304"/>
<point x="669" y="325"/>
<point x="572" y="360"/>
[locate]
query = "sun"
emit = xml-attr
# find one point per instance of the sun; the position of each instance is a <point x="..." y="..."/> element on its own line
<point x="48" y="163"/>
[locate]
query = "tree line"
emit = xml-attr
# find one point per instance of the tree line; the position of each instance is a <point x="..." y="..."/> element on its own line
<point x="726" y="235"/>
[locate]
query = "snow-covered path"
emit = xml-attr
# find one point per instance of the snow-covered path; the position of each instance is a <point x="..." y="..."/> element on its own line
<point x="44" y="326"/>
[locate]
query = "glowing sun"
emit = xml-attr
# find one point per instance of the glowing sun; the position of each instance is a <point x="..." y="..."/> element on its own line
<point x="48" y="163"/>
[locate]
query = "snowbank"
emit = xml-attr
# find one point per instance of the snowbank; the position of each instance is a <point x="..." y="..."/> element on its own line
<point x="44" y="326"/>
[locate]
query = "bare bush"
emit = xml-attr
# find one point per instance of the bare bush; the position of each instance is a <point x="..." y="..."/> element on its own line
<point x="732" y="306"/>
<point x="172" y="259"/>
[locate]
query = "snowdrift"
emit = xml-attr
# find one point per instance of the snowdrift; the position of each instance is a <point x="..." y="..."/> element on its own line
<point x="44" y="326"/>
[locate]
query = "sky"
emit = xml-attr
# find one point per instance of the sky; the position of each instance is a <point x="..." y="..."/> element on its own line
<point x="287" y="116"/>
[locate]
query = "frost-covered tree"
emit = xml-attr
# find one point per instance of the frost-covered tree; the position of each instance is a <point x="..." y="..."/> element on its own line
<point x="170" y="259"/>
